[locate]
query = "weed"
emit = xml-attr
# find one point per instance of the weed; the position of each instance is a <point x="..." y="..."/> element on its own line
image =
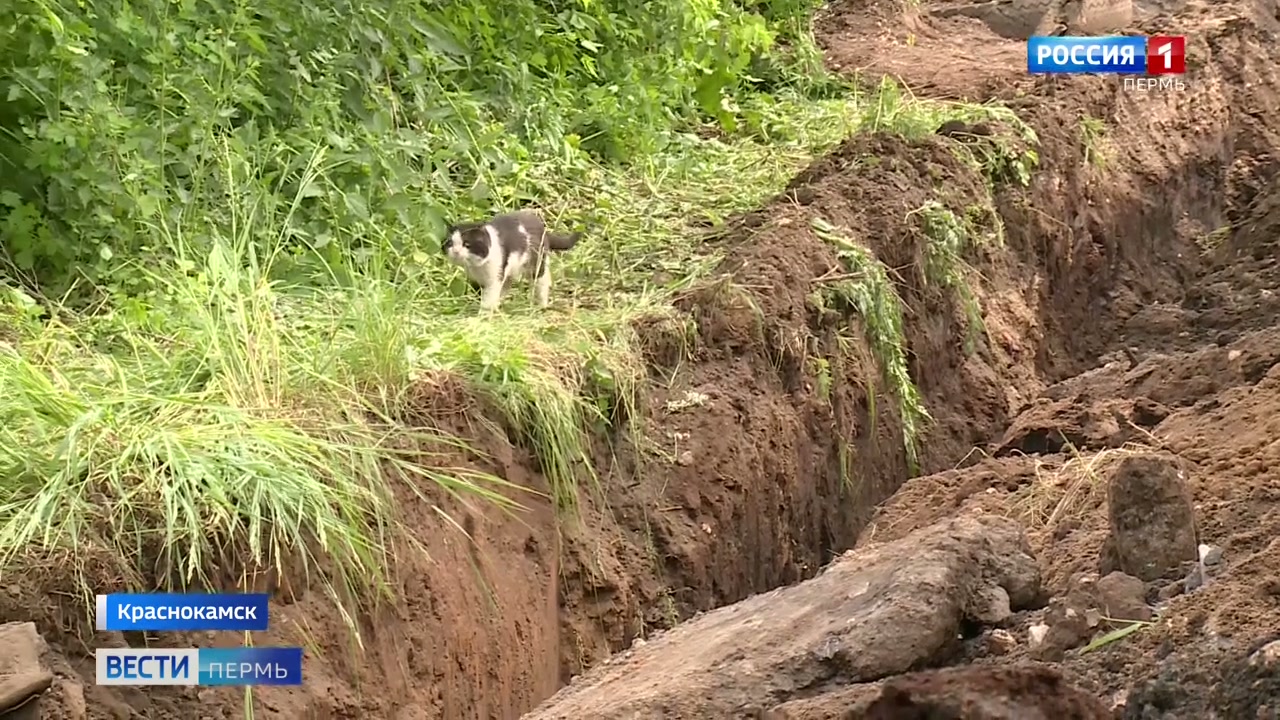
<point x="1007" y="156"/>
<point x="845" y="457"/>
<point x="820" y="367"/>
<point x="1092" y="135"/>
<point x="1212" y="241"/>
<point x="1115" y="636"/>
<point x="947" y="239"/>
<point x="872" y="294"/>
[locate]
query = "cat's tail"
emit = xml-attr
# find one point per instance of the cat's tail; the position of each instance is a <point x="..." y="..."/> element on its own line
<point x="560" y="243"/>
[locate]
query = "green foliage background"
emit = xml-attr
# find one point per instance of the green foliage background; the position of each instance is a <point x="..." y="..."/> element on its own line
<point x="134" y="131"/>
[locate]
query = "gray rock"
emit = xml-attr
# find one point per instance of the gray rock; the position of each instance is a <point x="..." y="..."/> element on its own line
<point x="1153" y="528"/>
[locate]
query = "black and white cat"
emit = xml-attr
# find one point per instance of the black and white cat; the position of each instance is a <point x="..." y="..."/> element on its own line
<point x="506" y="247"/>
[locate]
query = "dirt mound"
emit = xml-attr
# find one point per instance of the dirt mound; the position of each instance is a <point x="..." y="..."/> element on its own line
<point x="1183" y="363"/>
<point x="1022" y="19"/>
<point x="1129" y="303"/>
<point x="1016" y="693"/>
<point x="1160" y="337"/>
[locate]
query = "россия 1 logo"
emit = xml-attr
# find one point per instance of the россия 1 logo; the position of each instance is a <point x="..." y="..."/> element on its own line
<point x="1161" y="56"/>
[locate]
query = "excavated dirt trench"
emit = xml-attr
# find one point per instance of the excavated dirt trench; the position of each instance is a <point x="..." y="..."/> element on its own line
<point x="782" y="467"/>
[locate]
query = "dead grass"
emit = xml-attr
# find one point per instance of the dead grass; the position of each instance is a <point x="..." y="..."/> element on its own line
<point x="1070" y="491"/>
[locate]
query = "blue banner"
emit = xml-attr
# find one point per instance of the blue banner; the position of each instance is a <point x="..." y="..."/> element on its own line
<point x="1125" y="55"/>
<point x="203" y="666"/>
<point x="182" y="612"/>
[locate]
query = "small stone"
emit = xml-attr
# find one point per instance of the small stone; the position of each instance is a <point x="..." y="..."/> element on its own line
<point x="1172" y="590"/>
<point x="1067" y="629"/>
<point x="1001" y="642"/>
<point x="1210" y="555"/>
<point x="992" y="607"/>
<point x="1149" y="413"/>
<point x="1268" y="655"/>
<point x="1065" y="528"/>
<point x="685" y="459"/>
<point x="1036" y="634"/>
<point x="74" y="706"/>
<point x="1195" y="580"/>
<point x="1123" y="597"/>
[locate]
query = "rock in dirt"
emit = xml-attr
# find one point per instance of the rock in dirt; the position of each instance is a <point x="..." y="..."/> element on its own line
<point x="847" y="703"/>
<point x="1123" y="597"/>
<point x="22" y="676"/>
<point x="1153" y="527"/>
<point x="1065" y="626"/>
<point x="871" y="614"/>
<point x="1054" y="425"/>
<point x="1267" y="656"/>
<point x="1210" y="555"/>
<point x="1069" y="620"/>
<point x="1148" y="413"/>
<point x="1001" y="642"/>
<point x="1026" y="692"/>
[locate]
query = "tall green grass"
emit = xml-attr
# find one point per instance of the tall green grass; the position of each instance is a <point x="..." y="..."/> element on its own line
<point x="234" y="410"/>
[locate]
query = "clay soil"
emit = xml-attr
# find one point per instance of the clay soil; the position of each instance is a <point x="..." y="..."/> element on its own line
<point x="1134" y="306"/>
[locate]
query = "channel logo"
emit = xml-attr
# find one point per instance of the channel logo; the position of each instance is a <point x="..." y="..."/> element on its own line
<point x="201" y="666"/>
<point x="1119" y="55"/>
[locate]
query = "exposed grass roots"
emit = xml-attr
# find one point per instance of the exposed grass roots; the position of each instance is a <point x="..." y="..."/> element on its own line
<point x="872" y="294"/>
<point x="947" y="240"/>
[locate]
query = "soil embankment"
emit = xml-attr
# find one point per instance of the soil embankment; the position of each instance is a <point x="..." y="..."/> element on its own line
<point x="1118" y="312"/>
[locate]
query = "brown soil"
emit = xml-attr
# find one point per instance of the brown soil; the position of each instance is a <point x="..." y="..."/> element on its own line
<point x="1113" y="320"/>
<point x="992" y="694"/>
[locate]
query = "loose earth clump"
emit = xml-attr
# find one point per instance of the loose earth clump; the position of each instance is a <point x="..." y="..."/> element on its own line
<point x="967" y="413"/>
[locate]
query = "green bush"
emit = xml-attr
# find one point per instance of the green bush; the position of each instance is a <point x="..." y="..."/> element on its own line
<point x="133" y="128"/>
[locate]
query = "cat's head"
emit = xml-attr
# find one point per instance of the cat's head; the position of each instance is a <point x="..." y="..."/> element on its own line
<point x="466" y="242"/>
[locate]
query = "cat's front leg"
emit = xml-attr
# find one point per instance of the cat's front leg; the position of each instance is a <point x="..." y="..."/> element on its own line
<point x="491" y="297"/>
<point x="542" y="288"/>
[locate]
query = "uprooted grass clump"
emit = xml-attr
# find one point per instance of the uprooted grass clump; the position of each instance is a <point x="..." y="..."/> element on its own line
<point x="1001" y="157"/>
<point x="870" y="291"/>
<point x="1001" y="147"/>
<point x="948" y="240"/>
